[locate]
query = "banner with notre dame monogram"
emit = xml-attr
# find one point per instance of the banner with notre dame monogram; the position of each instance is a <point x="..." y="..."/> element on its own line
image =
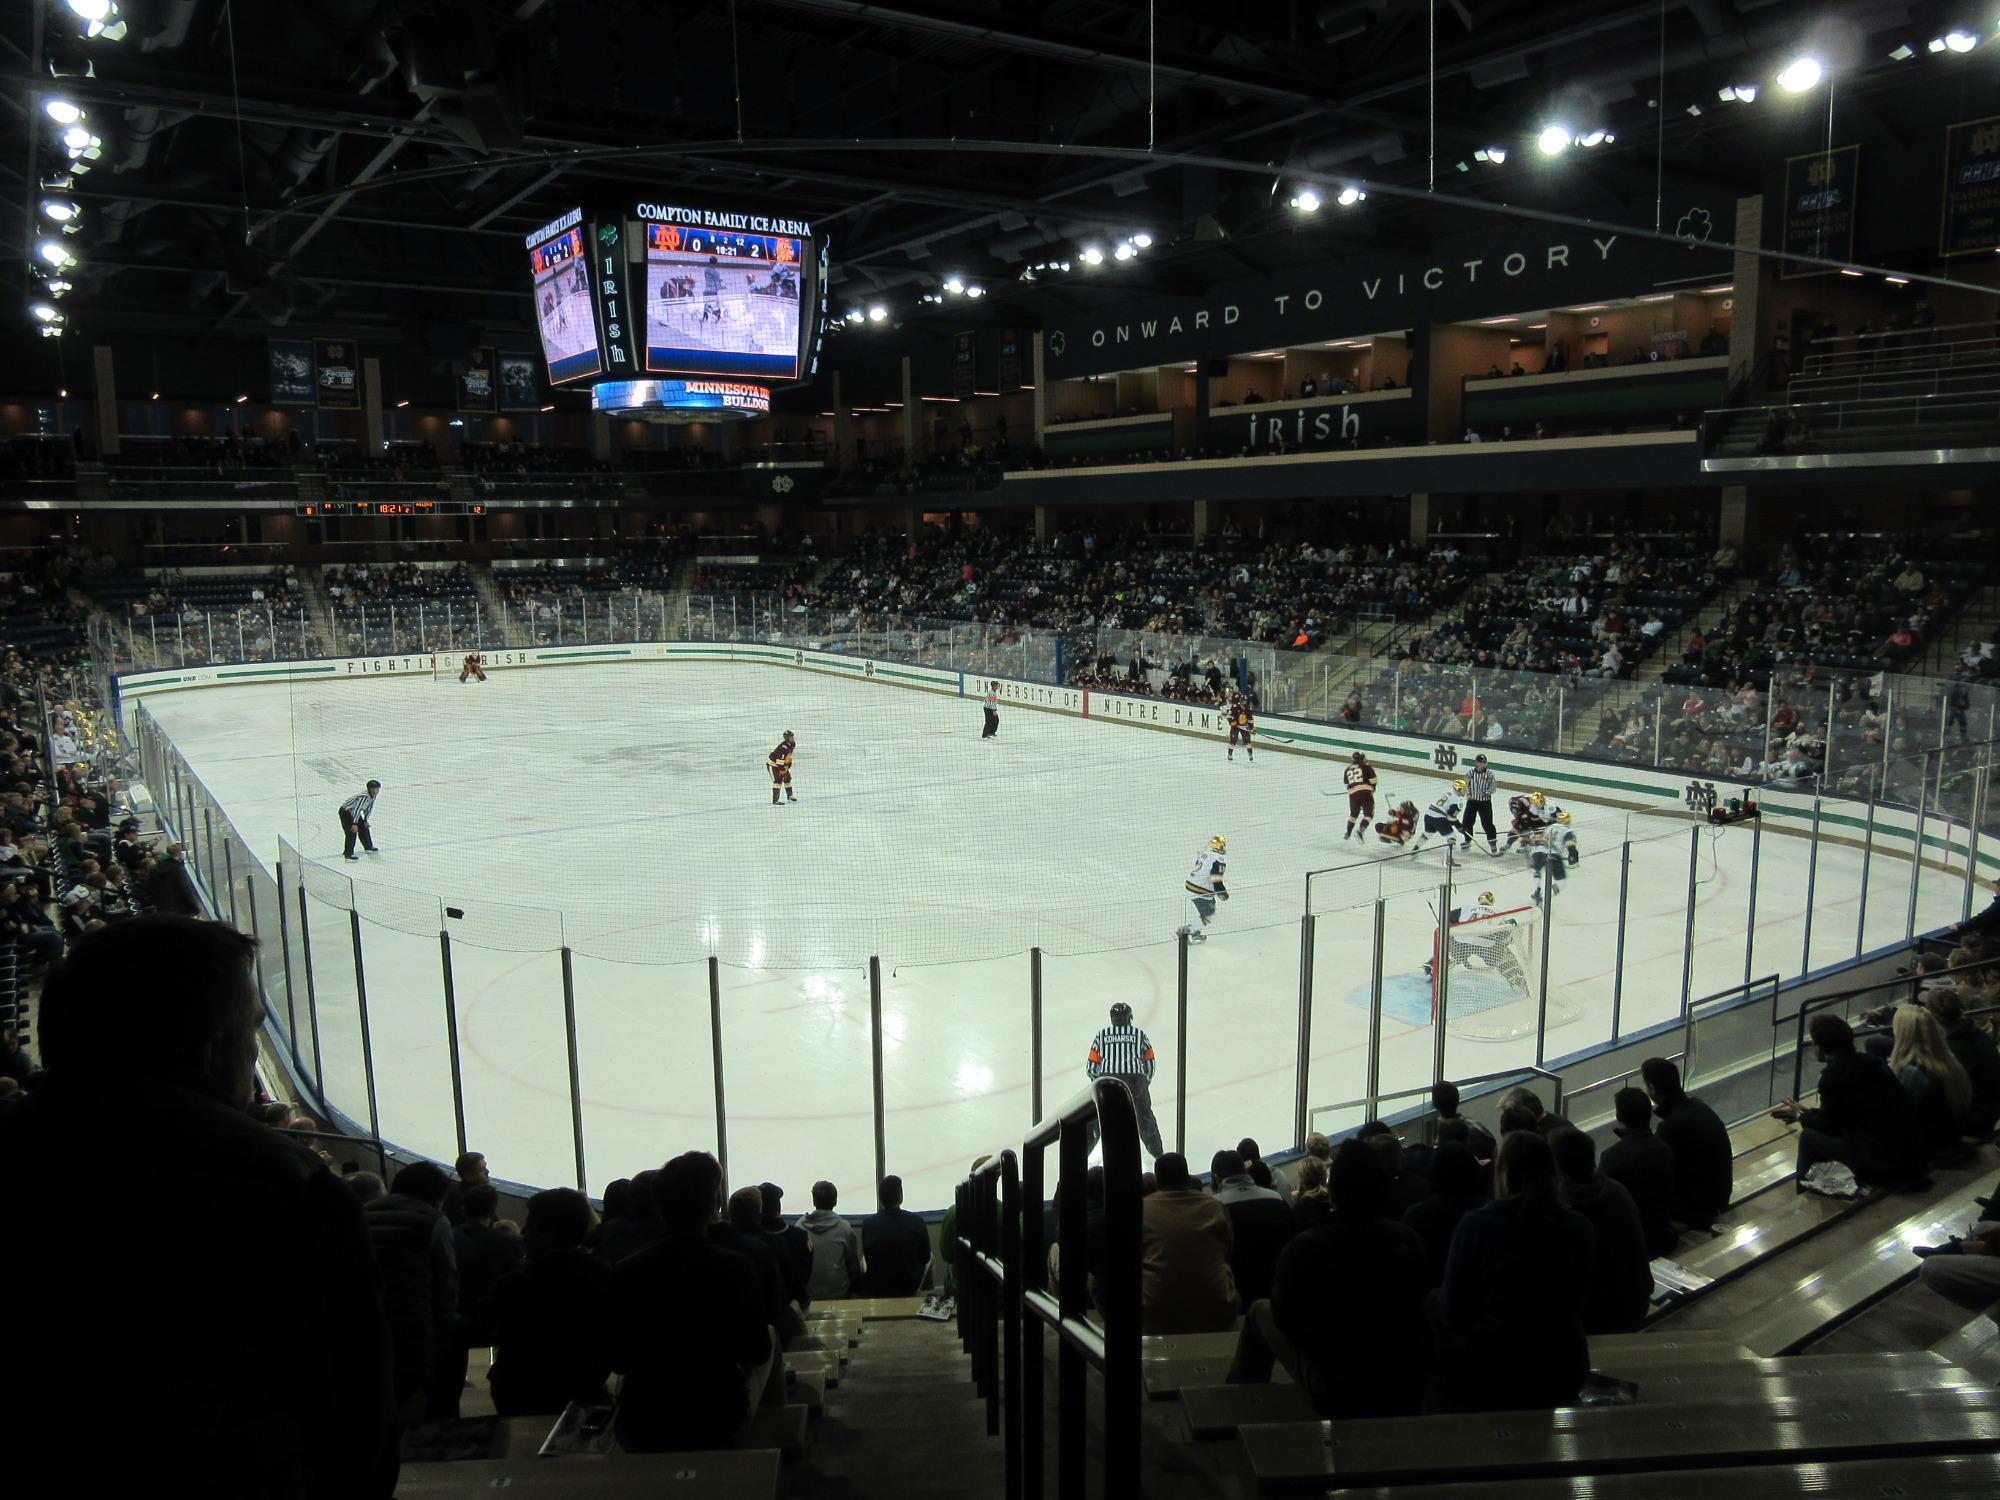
<point x="1819" y="207"/>
<point x="1970" y="222"/>
<point x="337" y="365"/>
<point x="964" y="364"/>
<point x="1011" y="377"/>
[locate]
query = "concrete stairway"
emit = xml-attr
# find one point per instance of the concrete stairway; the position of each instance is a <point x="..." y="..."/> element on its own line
<point x="499" y="619"/>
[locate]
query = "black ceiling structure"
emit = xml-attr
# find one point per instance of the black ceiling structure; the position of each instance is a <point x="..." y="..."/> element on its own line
<point x="368" y="167"/>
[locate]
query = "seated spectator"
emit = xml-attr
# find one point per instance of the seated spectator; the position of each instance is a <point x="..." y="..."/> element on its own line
<point x="896" y="1245"/>
<point x="741" y="1229"/>
<point x="1311" y="1202"/>
<point x="1185" y="1282"/>
<point x="1621" y="1277"/>
<point x="546" y="1322"/>
<point x="1260" y="1224"/>
<point x="366" y="1186"/>
<point x="1643" y="1164"/>
<point x="795" y="1246"/>
<point x="1977" y="1054"/>
<point x="470" y="1170"/>
<point x="687" y="1326"/>
<point x="1455" y="1191"/>
<point x="1444" y="1104"/>
<point x="486" y="1246"/>
<point x="261" y="1248"/>
<point x="1704" y="1160"/>
<point x="1510" y="1312"/>
<point x="413" y="1249"/>
<point x="633" y="1224"/>
<point x="1865" y="1117"/>
<point x="1346" y="1311"/>
<point x="1254" y="1163"/>
<point x="1934" y="1079"/>
<point x="837" y="1267"/>
<point x="1966" y="1271"/>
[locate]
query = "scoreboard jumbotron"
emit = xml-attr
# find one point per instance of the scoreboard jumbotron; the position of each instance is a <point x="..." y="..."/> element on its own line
<point x="679" y="314"/>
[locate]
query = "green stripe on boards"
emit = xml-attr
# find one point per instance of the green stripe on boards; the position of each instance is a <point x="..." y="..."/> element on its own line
<point x="275" y="672"/>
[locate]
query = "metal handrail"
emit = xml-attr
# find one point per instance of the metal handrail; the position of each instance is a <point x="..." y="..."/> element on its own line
<point x="1462" y="1084"/>
<point x="1911" y="982"/>
<point x="1012" y="1252"/>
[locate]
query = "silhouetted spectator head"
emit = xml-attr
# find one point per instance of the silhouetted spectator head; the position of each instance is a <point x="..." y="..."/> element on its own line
<point x="825" y="1194"/>
<point x="1455" y="1131"/>
<point x="1356" y="1181"/>
<point x="689" y="1190"/>
<point x="1389" y="1152"/>
<point x="1830" y="1034"/>
<point x="424" y="1181"/>
<point x="890" y="1192"/>
<point x="1170" y="1172"/>
<point x="1444" y="1100"/>
<point x="1372" y="1128"/>
<point x="1633" y="1108"/>
<point x="746" y="1210"/>
<point x="481" y="1203"/>
<point x="1945" y="1005"/>
<point x="617" y="1198"/>
<point x="1525" y="1167"/>
<point x="1574" y="1152"/>
<point x="1526" y="1101"/>
<point x="1224" y="1164"/>
<point x="365" y="1186"/>
<point x="645" y="1203"/>
<point x="1662" y="1080"/>
<point x="1318" y="1145"/>
<point x="1514" y="1119"/>
<point x="1312" y="1174"/>
<point x="559" y="1219"/>
<point x="774" y="1204"/>
<point x="1454" y="1170"/>
<point x="156" y="996"/>
<point x="471" y="1168"/>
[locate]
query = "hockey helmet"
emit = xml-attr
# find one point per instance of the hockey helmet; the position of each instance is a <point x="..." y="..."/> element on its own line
<point x="1459" y="786"/>
<point x="1358" y="758"/>
<point x="1485" y="898"/>
<point x="1219" y="844"/>
<point x="788" y="736"/>
<point x="1563" y="818"/>
<point x="1538" y="798"/>
<point x="1121" y="1014"/>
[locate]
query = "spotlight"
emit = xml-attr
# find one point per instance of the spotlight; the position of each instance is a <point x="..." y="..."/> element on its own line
<point x="1960" y="41"/>
<point x="1693" y="109"/>
<point x="54" y="254"/>
<point x="60" y="209"/>
<point x="1349" y="196"/>
<point x="58" y="287"/>
<point x="241" y="399"/>
<point x="1599" y="137"/>
<point x="975" y="291"/>
<point x="156" y="395"/>
<point x="1090" y="255"/>
<point x="44" y="312"/>
<point x="1897" y="280"/>
<point x="855" y="315"/>
<point x="403" y="403"/>
<point x="63" y="112"/>
<point x="91" y="10"/>
<point x="1553" y="140"/>
<point x="100" y="18"/>
<point x="1903" y="53"/>
<point x="1935" y="44"/>
<point x="1306" y="201"/>
<point x="1746" y="93"/>
<point x="955" y="285"/>
<point x="1492" y="154"/>
<point x="878" y="314"/>
<point x="1124" y="251"/>
<point x="1800" y="74"/>
<point x="1143" y="240"/>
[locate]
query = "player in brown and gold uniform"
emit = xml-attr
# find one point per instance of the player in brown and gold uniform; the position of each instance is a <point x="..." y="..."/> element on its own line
<point x="1243" y="724"/>
<point x="1360" y="779"/>
<point x="1402" y="823"/>
<point x="779" y="764"/>
<point x="473" y="668"/>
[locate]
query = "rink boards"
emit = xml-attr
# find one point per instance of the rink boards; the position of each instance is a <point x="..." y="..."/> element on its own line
<point x="1889" y="829"/>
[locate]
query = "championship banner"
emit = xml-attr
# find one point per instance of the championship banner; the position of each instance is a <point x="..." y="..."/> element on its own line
<point x="479" y="384"/>
<point x="520" y="388"/>
<point x="1970" y="222"/>
<point x="338" y="371"/>
<point x="1011" y="377"/>
<point x="964" y="364"/>
<point x="292" y="372"/>
<point x="1819" y="207"/>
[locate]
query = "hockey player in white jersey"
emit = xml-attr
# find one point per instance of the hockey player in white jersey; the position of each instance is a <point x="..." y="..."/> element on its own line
<point x="1550" y="853"/>
<point x="1441" y="818"/>
<point x="1485" y="945"/>
<point x="1205" y="888"/>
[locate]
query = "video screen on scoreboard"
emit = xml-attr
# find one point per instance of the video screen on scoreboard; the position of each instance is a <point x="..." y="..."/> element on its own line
<point x="563" y="309"/>
<point x="720" y="302"/>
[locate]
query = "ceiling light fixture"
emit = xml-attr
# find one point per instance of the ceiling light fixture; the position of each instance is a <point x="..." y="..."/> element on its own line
<point x="1800" y="74"/>
<point x="1897" y="280"/>
<point x="1306" y="201"/>
<point x="1091" y="255"/>
<point x="1143" y="240"/>
<point x="1351" y="195"/>
<point x="975" y="290"/>
<point x="1960" y="41"/>
<point x="1554" y="140"/>
<point x="59" y="209"/>
<point x="63" y="112"/>
<point x="241" y="399"/>
<point x="1493" y="155"/>
<point x="44" y="312"/>
<point x="878" y="314"/>
<point x="1124" y="251"/>
<point x="54" y="254"/>
<point x="1903" y="53"/>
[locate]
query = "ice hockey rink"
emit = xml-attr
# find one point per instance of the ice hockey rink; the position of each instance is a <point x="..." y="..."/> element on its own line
<point x="623" y="811"/>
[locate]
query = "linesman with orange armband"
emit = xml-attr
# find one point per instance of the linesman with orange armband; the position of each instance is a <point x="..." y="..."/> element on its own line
<point x="779" y="764"/>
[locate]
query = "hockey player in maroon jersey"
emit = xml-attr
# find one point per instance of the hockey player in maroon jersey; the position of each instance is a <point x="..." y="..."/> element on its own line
<point x="1360" y="779"/>
<point x="1401" y="825"/>
<point x="779" y="764"/>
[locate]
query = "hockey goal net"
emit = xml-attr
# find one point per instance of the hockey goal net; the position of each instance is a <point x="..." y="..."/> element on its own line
<point x="1490" y="975"/>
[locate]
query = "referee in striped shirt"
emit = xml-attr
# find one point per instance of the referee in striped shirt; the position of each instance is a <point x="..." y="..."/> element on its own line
<point x="354" y="815"/>
<point x="1479" y="788"/>
<point x="1124" y="1052"/>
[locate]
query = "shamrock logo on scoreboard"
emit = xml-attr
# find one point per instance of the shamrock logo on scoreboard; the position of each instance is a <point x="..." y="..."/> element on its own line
<point x="1695" y="226"/>
<point x="1057" y="343"/>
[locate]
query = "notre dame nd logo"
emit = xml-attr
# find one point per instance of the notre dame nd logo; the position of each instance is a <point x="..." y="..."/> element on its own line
<point x="1700" y="798"/>
<point x="801" y="659"/>
<point x="1445" y="757"/>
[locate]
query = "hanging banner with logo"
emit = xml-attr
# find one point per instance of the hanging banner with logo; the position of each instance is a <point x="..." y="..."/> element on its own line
<point x="291" y="366"/>
<point x="964" y="364"/>
<point x="1011" y="376"/>
<point x="479" y="383"/>
<point x="1970" y="223"/>
<point x="520" y="381"/>
<point x="1819" y="208"/>
<point x="337" y="371"/>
